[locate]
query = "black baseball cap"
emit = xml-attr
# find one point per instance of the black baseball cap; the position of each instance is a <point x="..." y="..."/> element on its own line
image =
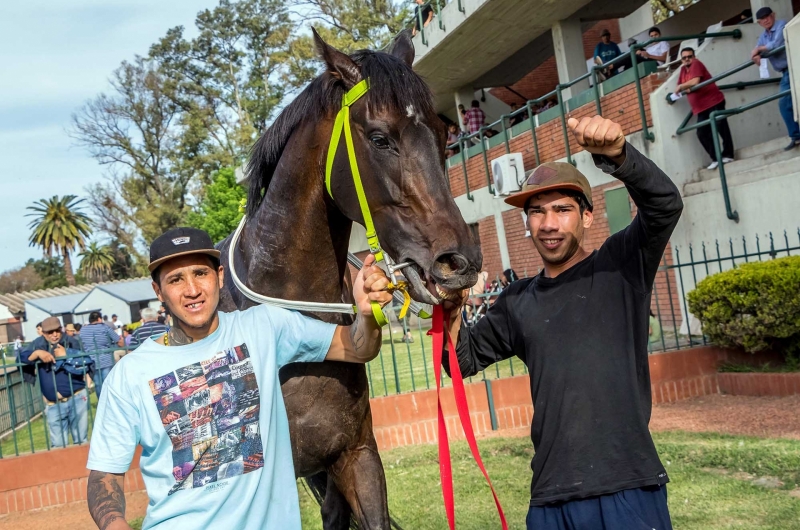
<point x="764" y="12"/>
<point x="180" y="242"/>
<point x="605" y="32"/>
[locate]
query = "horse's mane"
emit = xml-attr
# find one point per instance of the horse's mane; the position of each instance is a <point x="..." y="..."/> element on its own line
<point x="393" y="87"/>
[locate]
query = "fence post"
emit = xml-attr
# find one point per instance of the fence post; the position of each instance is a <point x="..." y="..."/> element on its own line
<point x="562" y="111"/>
<point x="732" y="214"/>
<point x="439" y="15"/>
<point x="485" y="161"/>
<point x="490" y="399"/>
<point x="596" y="87"/>
<point x="464" y="167"/>
<point x="635" y="67"/>
<point x="533" y="132"/>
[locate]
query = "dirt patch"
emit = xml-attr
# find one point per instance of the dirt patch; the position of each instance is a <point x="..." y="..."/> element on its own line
<point x="73" y="516"/>
<point x="768" y="417"/>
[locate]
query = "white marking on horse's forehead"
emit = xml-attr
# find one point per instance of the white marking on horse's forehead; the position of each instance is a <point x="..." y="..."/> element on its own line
<point x="410" y="111"/>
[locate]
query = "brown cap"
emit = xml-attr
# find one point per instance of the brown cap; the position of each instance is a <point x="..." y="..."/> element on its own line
<point x="69" y="327"/>
<point x="552" y="176"/>
<point x="50" y="324"/>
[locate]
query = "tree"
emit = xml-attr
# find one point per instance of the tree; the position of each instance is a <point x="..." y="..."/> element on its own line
<point x="136" y="132"/>
<point x="226" y="76"/>
<point x="96" y="262"/>
<point x="50" y="270"/>
<point x="20" y="279"/>
<point x="220" y="210"/>
<point x="59" y="226"/>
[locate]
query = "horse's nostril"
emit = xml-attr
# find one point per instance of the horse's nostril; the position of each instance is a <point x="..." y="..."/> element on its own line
<point x="457" y="263"/>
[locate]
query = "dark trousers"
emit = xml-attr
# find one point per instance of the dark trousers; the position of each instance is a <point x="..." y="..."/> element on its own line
<point x="636" y="509"/>
<point x="707" y="141"/>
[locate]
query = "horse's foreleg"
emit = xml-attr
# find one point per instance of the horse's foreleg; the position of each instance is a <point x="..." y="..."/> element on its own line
<point x="335" y="510"/>
<point x="358" y="474"/>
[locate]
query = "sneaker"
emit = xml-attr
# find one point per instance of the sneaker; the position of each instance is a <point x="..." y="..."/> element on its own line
<point x="726" y="160"/>
<point x="792" y="145"/>
<point x="713" y="165"/>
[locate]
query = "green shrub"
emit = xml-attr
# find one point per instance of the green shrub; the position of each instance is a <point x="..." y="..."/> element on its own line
<point x="754" y="307"/>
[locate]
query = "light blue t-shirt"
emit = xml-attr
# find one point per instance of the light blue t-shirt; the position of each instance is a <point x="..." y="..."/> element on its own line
<point x="211" y="421"/>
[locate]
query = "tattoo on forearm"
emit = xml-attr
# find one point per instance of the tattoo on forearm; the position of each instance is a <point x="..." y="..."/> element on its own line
<point x="357" y="335"/>
<point x="106" y="498"/>
<point x="177" y="337"/>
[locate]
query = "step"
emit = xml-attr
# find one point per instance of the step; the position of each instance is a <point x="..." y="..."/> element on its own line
<point x="762" y="149"/>
<point x="779" y="168"/>
<point x="741" y="165"/>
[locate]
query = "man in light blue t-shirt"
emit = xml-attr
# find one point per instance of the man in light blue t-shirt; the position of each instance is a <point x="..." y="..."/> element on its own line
<point x="204" y="400"/>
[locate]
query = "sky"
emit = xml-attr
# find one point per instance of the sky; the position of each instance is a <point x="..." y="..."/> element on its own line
<point x="54" y="56"/>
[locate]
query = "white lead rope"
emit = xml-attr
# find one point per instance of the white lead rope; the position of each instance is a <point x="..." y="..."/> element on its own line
<point x="297" y="305"/>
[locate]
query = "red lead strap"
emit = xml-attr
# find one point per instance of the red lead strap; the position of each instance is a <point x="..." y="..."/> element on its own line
<point x="440" y="333"/>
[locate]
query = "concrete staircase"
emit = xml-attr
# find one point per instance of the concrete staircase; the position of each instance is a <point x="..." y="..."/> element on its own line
<point x="752" y="164"/>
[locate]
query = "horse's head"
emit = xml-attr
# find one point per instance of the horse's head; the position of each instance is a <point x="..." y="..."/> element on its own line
<point x="399" y="144"/>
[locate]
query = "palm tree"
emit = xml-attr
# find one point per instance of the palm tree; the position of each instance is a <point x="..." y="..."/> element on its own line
<point x="96" y="262"/>
<point x="61" y="226"/>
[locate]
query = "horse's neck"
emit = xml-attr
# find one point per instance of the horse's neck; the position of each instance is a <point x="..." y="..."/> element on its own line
<point x="296" y="245"/>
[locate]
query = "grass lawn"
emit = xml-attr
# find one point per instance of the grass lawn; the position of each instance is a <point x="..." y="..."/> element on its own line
<point x="414" y="364"/>
<point x="712" y="483"/>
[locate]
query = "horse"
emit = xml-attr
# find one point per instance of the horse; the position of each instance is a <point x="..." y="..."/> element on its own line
<point x="295" y="241"/>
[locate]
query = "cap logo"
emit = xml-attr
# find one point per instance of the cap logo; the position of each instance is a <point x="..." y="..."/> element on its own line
<point x="180" y="240"/>
<point x="541" y="175"/>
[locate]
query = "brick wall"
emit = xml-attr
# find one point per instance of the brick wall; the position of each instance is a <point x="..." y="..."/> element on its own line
<point x="544" y="77"/>
<point x="490" y="248"/>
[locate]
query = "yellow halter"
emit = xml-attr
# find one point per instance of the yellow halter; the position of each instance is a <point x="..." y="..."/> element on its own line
<point x="342" y="123"/>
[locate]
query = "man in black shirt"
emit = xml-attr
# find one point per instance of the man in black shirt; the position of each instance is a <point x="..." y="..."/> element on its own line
<point x="581" y="327"/>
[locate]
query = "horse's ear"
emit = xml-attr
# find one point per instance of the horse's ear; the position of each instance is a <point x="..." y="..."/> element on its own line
<point x="338" y="63"/>
<point x="402" y="47"/>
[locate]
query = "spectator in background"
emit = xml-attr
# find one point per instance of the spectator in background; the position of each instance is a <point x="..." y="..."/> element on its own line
<point x="703" y="103"/>
<point x="39" y="329"/>
<point x="518" y="118"/>
<point x="127" y="336"/>
<point x="426" y="16"/>
<point x="658" y="51"/>
<point x="508" y="277"/>
<point x="475" y="118"/>
<point x="453" y="134"/>
<point x="107" y="323"/>
<point x="150" y="328"/>
<point x="70" y="330"/>
<point x="62" y="386"/>
<point x="17" y="345"/>
<point x="607" y="51"/>
<point x="78" y="327"/>
<point x="769" y="40"/>
<point x="117" y="323"/>
<point x="96" y="336"/>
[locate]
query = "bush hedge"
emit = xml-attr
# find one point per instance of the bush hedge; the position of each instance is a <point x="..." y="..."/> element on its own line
<point x="755" y="306"/>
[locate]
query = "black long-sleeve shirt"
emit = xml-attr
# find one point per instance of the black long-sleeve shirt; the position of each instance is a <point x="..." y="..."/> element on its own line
<point x="583" y="336"/>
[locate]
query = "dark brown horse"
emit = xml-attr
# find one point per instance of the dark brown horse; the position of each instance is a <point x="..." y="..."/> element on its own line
<point x="295" y="243"/>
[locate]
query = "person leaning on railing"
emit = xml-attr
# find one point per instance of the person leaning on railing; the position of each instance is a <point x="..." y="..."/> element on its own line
<point x="771" y="39"/>
<point x="61" y="380"/>
<point x="703" y="102"/>
<point x="581" y="327"/>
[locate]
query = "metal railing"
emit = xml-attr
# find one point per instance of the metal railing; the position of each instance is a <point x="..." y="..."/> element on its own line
<point x="479" y="136"/>
<point x="404" y="363"/>
<point x="718" y="115"/>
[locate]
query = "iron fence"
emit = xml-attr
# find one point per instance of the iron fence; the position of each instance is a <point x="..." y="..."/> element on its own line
<point x="404" y="363"/>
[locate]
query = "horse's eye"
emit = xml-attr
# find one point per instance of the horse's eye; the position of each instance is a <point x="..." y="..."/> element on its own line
<point x="379" y="141"/>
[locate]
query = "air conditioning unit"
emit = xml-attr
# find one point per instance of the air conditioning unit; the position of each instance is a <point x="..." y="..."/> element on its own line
<point x="508" y="174"/>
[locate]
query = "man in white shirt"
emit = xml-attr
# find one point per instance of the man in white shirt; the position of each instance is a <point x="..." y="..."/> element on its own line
<point x="204" y="400"/>
<point x="658" y="51"/>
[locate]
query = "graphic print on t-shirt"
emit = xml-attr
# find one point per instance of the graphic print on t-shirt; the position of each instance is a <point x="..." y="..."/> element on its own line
<point x="210" y="412"/>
